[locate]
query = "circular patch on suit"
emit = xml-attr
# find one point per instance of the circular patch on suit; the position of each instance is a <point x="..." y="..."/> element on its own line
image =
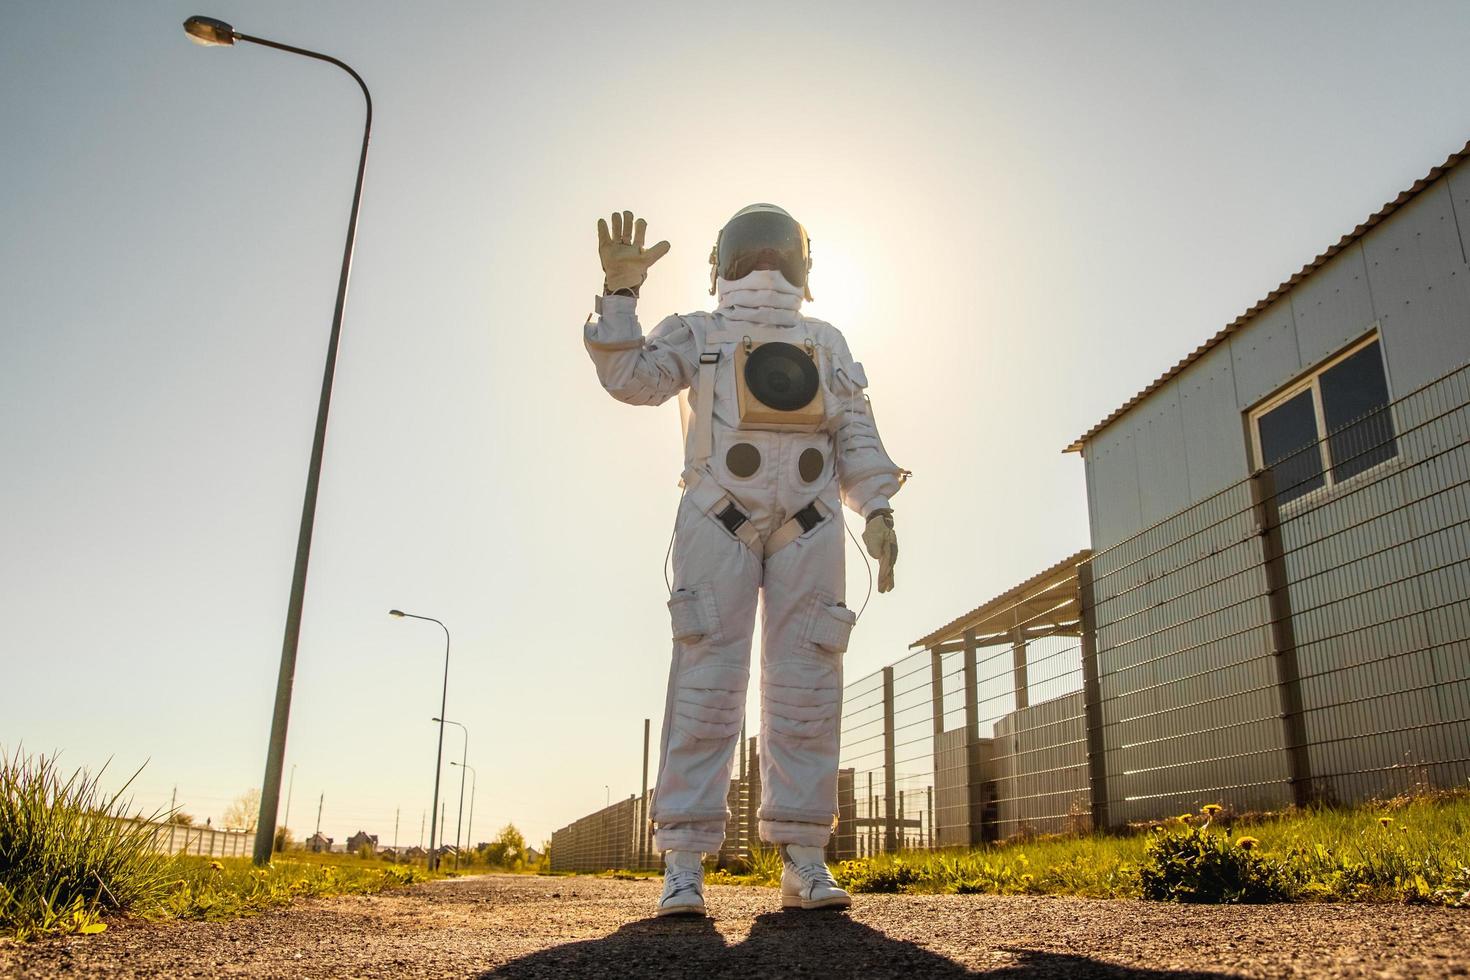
<point x="743" y="459"/>
<point x="782" y="376"/>
<point x="809" y="465"/>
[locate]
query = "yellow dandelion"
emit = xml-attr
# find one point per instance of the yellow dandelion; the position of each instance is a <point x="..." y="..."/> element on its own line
<point x="1210" y="809"/>
<point x="1384" y="821"/>
<point x="1246" y="843"/>
<point x="216" y="866"/>
<point x="1185" y="817"/>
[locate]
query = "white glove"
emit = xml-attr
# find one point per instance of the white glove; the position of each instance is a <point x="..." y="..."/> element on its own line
<point x="882" y="542"/>
<point x="625" y="261"/>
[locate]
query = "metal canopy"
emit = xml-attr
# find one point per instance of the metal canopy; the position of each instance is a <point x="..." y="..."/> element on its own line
<point x="1044" y="604"/>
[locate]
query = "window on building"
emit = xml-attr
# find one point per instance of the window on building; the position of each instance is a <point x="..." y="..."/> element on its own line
<point x="1328" y="426"/>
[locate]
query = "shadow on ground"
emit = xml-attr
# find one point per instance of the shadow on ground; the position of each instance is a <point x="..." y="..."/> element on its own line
<point x="822" y="946"/>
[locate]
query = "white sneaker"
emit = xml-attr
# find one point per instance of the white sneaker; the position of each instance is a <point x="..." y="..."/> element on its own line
<point x="683" y="884"/>
<point x="805" y="881"/>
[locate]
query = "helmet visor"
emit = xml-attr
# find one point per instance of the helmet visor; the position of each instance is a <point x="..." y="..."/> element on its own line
<point x="763" y="240"/>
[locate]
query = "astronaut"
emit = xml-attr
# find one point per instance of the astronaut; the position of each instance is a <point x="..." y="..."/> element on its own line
<point x="778" y="435"/>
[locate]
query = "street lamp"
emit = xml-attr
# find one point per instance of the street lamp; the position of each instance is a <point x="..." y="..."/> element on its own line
<point x="459" y="825"/>
<point x="438" y="759"/>
<point x="469" y="831"/>
<point x="290" y="787"/>
<point x="210" y="32"/>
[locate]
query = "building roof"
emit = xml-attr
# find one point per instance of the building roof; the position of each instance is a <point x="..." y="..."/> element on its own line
<point x="1275" y="294"/>
<point x="1048" y="596"/>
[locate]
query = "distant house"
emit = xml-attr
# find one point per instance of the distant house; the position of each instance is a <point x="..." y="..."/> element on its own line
<point x="533" y="856"/>
<point x="317" y="844"/>
<point x="356" y="842"/>
<point x="413" y="853"/>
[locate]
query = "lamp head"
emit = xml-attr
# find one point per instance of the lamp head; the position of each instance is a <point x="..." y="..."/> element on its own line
<point x="209" y="32"/>
<point x="439" y="720"/>
<point x="396" y="613"/>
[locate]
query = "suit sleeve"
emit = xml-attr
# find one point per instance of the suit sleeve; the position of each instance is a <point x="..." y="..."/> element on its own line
<point x="866" y="475"/>
<point x="636" y="369"/>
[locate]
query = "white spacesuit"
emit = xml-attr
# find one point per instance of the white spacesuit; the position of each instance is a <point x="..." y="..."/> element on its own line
<point x="780" y="434"/>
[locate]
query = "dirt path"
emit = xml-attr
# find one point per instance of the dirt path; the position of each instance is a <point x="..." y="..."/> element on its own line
<point x="507" y="926"/>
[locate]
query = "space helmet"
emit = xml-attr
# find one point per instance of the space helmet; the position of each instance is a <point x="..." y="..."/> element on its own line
<point x="762" y="236"/>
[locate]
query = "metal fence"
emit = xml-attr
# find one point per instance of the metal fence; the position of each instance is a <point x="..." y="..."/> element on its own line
<point x="173" y="838"/>
<point x="1300" y="636"/>
<point x="620" y="835"/>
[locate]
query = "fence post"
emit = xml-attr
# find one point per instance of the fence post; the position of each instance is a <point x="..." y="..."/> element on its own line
<point x="974" y="778"/>
<point x="890" y="769"/>
<point x="1283" y="634"/>
<point x="1097" y="759"/>
<point x="642" y="815"/>
<point x="752" y="794"/>
<point x="1018" y="668"/>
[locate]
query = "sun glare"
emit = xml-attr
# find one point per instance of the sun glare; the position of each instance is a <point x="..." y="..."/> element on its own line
<point x="839" y="283"/>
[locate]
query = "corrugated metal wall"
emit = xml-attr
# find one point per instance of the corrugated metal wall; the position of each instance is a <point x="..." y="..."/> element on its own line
<point x="1189" y="697"/>
<point x="1041" y="769"/>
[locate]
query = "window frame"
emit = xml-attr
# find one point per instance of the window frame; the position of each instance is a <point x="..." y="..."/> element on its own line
<point x="1312" y="381"/>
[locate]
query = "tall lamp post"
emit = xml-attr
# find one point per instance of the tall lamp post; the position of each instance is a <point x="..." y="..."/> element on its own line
<point x="465" y="757"/>
<point x="469" y="830"/>
<point x="216" y="33"/>
<point x="439" y="758"/>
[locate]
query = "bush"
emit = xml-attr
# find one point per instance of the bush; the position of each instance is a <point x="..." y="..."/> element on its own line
<point x="68" y="853"/>
<point x="1196" y="865"/>
<point x="870" y="876"/>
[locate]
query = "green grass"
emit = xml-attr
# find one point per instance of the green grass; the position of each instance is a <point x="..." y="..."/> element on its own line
<point x="1412" y="849"/>
<point x="67" y="860"/>
<point x="225" y="888"/>
<point x="63" y="862"/>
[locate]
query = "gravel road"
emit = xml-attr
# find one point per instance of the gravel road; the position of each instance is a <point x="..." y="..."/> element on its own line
<point x="517" y="926"/>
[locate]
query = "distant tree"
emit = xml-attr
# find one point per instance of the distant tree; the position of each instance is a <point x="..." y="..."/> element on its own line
<point x="508" y="849"/>
<point x="283" y="838"/>
<point x="244" y="813"/>
<point x="181" y="818"/>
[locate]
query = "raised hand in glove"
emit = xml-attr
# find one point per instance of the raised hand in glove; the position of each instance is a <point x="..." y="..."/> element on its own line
<point x="625" y="261"/>
<point x="882" y="543"/>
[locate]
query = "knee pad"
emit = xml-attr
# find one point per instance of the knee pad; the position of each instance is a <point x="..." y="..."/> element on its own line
<point x="801" y="697"/>
<point x="709" y="701"/>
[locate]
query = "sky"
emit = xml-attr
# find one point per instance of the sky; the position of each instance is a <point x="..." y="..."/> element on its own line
<point x="1020" y="213"/>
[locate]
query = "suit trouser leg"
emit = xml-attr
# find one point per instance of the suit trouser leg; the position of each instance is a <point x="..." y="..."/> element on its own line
<point x="804" y="632"/>
<point x="716" y="586"/>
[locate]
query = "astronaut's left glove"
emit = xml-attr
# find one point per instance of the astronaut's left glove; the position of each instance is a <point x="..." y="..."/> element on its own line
<point x="625" y="261"/>
<point x="882" y="543"/>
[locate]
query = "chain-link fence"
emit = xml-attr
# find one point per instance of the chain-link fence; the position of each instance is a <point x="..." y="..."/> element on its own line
<point x="1300" y="636"/>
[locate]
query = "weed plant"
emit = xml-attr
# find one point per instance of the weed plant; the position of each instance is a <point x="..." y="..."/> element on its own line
<point x="69" y="856"/>
<point x="66" y="857"/>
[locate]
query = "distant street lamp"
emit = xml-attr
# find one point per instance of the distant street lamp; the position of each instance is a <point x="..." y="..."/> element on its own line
<point x="469" y="830"/>
<point x="439" y="758"/>
<point x="216" y="33"/>
<point x="459" y="825"/>
<point x="290" y="787"/>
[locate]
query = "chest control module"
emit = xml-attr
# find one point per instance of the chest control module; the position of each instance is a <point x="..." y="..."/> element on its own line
<point x="778" y="386"/>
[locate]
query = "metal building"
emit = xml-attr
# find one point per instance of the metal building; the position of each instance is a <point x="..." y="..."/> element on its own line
<point x="1333" y="391"/>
